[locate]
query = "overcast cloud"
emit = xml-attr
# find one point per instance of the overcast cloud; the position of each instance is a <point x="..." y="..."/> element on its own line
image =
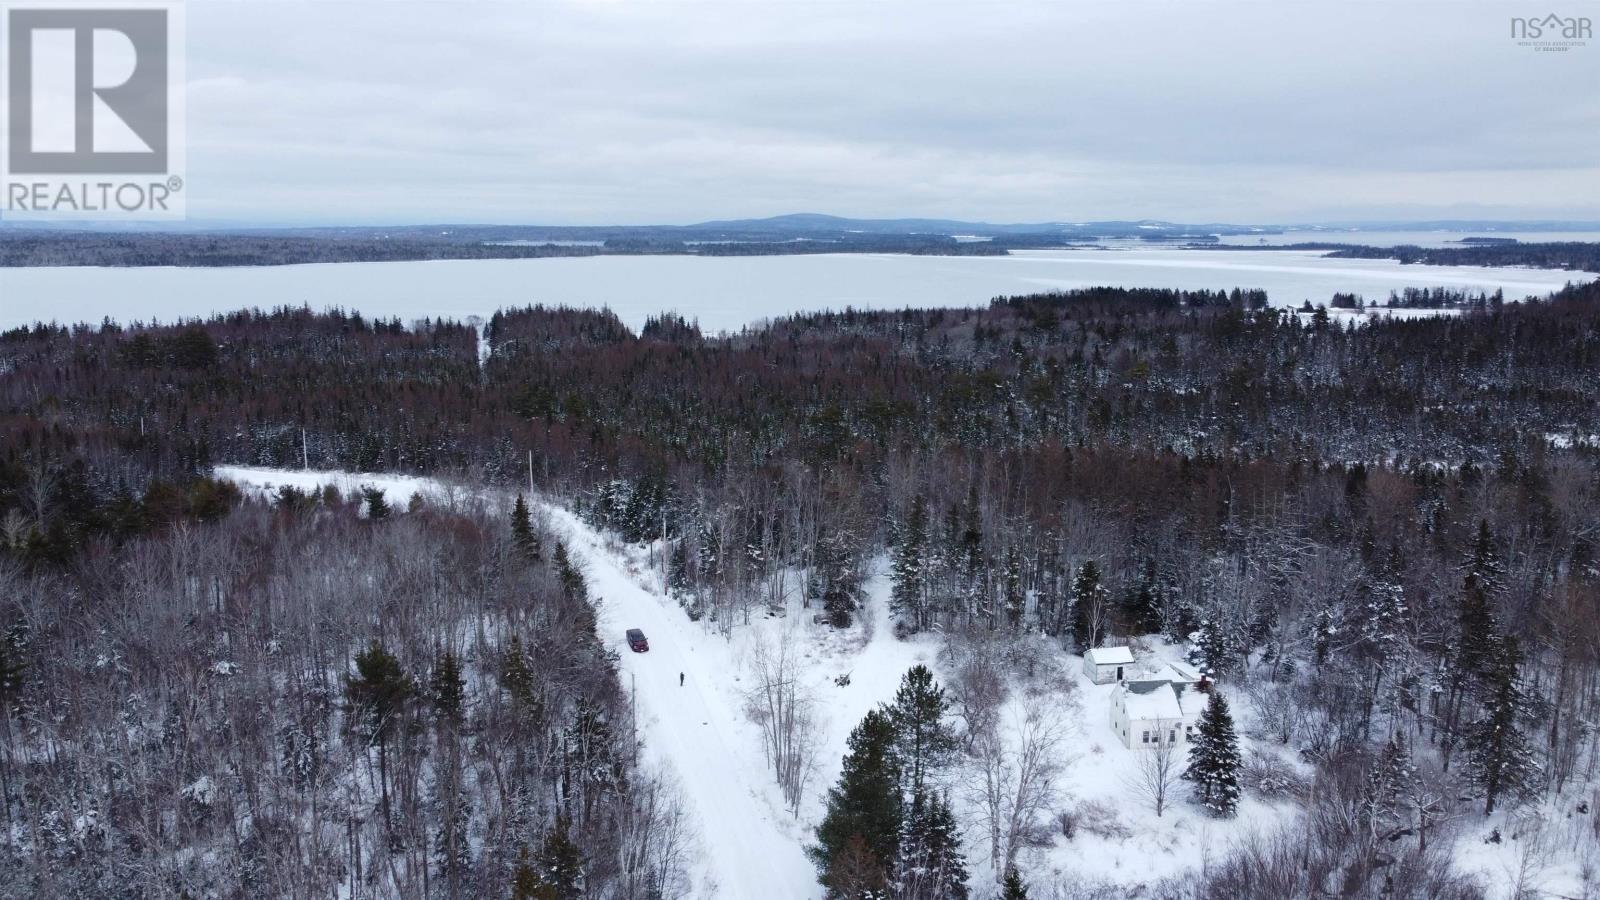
<point x="646" y="112"/>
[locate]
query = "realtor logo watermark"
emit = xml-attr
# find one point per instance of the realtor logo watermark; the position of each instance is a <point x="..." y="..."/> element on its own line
<point x="1552" y="33"/>
<point x="94" y="110"/>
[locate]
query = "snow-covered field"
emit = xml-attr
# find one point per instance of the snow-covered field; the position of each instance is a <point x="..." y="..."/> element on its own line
<point x="397" y="489"/>
<point x="722" y="293"/>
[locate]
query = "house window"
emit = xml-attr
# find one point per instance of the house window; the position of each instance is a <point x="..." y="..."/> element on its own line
<point x="1172" y="737"/>
<point x="1147" y="737"/>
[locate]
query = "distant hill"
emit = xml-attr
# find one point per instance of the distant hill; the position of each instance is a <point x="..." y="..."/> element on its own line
<point x="819" y="223"/>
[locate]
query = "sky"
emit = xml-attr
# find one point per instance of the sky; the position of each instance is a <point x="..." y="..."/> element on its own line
<point x="677" y="111"/>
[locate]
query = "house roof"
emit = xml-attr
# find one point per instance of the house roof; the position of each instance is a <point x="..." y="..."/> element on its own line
<point x="1176" y="671"/>
<point x="1110" y="656"/>
<point x="1151" y="700"/>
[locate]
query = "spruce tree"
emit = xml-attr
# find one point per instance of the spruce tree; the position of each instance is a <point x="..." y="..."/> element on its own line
<point x="379" y="689"/>
<point x="1480" y="642"/>
<point x="856" y="873"/>
<point x="1483" y="561"/>
<point x="1388" y="783"/>
<point x="834" y="580"/>
<point x="570" y="576"/>
<point x="943" y="860"/>
<point x="515" y="676"/>
<point x="909" y="573"/>
<point x="1013" y="888"/>
<point x="593" y="766"/>
<point x="452" y="845"/>
<point x="446" y="688"/>
<point x="972" y="555"/>
<point x="1214" y="758"/>
<point x="858" y="840"/>
<point x="13" y="669"/>
<point x="525" y="882"/>
<point x="1209" y="648"/>
<point x="378" y="693"/>
<point x="931" y="865"/>
<point x="1016" y="600"/>
<point x="377" y="506"/>
<point x="1500" y="762"/>
<point x="1383" y="623"/>
<point x="522" y="533"/>
<point x="708" y="562"/>
<point x="1089" y="601"/>
<point x="1142" y="608"/>
<point x="678" y="567"/>
<point x="559" y="865"/>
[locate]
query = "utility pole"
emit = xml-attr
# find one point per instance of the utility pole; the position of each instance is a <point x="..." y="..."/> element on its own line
<point x="305" y="452"/>
<point x="530" y="474"/>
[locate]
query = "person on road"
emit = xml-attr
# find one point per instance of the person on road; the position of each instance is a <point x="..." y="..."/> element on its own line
<point x="680" y="679"/>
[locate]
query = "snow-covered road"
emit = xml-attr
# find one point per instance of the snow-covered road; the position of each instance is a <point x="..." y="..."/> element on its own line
<point x="751" y="847"/>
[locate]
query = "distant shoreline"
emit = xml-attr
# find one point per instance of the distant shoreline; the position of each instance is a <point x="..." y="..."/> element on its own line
<point x="35" y="249"/>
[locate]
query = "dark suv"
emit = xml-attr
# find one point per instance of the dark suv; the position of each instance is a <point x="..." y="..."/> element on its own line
<point x="636" y="641"/>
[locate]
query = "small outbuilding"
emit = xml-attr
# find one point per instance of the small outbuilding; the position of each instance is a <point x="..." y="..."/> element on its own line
<point x="1107" y="665"/>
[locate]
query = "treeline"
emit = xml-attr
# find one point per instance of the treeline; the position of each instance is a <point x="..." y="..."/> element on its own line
<point x="1147" y="374"/>
<point x="156" y="249"/>
<point x="201" y="250"/>
<point x="301" y="246"/>
<point x="1418" y="298"/>
<point x="1574" y="255"/>
<point x="1577" y="256"/>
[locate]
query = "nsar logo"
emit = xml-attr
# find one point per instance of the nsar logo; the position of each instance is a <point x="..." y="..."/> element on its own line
<point x="1552" y="33"/>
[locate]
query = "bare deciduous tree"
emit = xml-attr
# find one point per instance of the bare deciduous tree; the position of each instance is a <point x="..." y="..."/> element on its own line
<point x="654" y="840"/>
<point x="979" y="683"/>
<point x="783" y="707"/>
<point x="1013" y="777"/>
<point x="1157" y="774"/>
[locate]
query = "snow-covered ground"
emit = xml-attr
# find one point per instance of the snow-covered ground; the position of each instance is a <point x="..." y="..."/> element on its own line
<point x="1102" y="775"/>
<point x="703" y="732"/>
<point x="752" y="845"/>
<point x="397" y="489"/>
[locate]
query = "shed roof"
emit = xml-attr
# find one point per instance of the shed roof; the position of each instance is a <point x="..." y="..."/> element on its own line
<point x="1110" y="656"/>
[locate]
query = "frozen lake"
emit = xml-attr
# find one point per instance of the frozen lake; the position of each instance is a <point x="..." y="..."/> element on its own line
<point x="723" y="293"/>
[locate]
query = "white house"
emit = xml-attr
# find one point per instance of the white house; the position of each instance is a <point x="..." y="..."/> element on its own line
<point x="1147" y="715"/>
<point x="1104" y="665"/>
